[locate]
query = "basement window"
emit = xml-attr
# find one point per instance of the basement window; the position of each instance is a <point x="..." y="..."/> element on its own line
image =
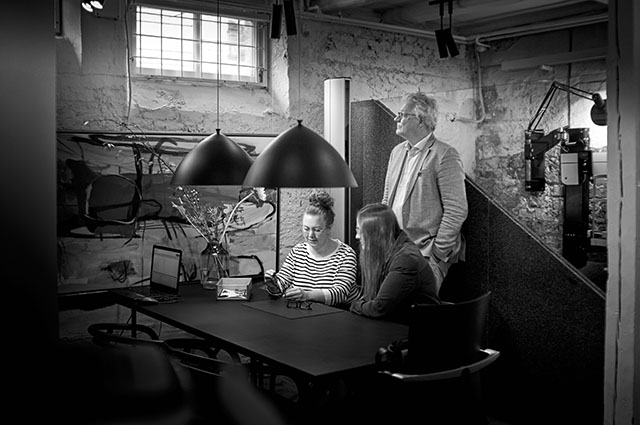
<point x="186" y="44"/>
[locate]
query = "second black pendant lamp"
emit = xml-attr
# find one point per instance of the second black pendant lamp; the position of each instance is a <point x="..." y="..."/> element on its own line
<point x="299" y="157"/>
<point x="216" y="160"/>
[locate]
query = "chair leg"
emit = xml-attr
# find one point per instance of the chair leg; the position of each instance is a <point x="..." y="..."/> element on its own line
<point x="272" y="382"/>
<point x="473" y="386"/>
<point x="257" y="374"/>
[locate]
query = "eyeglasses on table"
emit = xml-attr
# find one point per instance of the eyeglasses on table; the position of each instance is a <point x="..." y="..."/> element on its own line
<point x="302" y="305"/>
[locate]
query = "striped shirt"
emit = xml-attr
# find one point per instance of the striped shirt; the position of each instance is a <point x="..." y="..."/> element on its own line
<point x="335" y="274"/>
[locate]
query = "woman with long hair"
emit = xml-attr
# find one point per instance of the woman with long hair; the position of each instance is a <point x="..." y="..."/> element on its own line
<point x="394" y="272"/>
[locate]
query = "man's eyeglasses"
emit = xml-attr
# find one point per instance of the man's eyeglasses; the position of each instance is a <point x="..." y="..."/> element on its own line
<point x="400" y="115"/>
<point x="302" y="305"/>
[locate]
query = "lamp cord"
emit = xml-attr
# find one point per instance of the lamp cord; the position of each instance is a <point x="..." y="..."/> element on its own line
<point x="569" y="80"/>
<point x="128" y="53"/>
<point x="219" y="65"/>
<point x="299" y="65"/>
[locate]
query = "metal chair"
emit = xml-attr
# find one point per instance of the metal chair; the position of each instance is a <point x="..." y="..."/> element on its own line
<point x="115" y="333"/>
<point x="207" y="381"/>
<point x="436" y="370"/>
<point x="111" y="334"/>
<point x="114" y="386"/>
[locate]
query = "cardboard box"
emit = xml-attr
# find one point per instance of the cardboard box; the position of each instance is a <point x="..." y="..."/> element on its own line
<point x="234" y="289"/>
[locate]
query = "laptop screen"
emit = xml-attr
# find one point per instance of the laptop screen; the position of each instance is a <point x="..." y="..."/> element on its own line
<point x="165" y="268"/>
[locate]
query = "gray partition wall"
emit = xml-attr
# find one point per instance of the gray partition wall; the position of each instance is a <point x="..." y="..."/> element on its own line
<point x="545" y="317"/>
<point x="372" y="138"/>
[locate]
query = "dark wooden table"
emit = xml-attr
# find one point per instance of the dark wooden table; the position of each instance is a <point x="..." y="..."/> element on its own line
<point x="328" y="344"/>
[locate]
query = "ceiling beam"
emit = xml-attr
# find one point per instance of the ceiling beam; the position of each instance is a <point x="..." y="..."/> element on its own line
<point x="331" y="6"/>
<point x="487" y="36"/>
<point x="422" y="12"/>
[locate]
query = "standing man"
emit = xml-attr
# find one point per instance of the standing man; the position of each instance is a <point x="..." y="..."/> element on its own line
<point x="425" y="187"/>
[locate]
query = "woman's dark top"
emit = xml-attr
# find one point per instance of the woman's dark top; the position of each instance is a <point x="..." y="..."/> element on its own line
<point x="407" y="279"/>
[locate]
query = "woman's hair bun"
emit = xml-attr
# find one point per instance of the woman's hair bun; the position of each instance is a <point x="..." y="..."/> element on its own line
<point x="321" y="199"/>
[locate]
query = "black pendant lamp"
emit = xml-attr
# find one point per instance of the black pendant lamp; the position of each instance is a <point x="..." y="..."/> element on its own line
<point x="216" y="161"/>
<point x="300" y="157"/>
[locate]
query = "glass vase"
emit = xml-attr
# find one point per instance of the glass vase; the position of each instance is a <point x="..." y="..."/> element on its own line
<point x="214" y="264"/>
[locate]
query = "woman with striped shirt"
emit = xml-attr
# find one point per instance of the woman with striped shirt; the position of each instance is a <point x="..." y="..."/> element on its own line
<point x="320" y="269"/>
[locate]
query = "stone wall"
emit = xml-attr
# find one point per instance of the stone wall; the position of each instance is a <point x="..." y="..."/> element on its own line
<point x="381" y="65"/>
<point x="94" y="92"/>
<point x="489" y="130"/>
<point x="511" y="98"/>
<point x="484" y="110"/>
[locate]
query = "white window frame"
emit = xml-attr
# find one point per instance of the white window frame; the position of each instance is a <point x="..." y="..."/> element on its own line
<point x="260" y="57"/>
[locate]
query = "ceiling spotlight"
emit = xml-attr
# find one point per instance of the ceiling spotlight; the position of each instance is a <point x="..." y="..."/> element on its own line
<point x="444" y="38"/>
<point x="276" y="20"/>
<point x="290" y="17"/>
<point x="93" y="5"/>
<point x="446" y="44"/>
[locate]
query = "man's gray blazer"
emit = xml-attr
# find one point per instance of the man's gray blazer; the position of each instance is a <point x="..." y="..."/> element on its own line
<point x="436" y="202"/>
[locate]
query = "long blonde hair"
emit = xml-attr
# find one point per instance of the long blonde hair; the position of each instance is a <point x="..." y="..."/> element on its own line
<point x="378" y="231"/>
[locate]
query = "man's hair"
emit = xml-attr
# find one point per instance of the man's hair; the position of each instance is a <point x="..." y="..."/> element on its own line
<point x="426" y="107"/>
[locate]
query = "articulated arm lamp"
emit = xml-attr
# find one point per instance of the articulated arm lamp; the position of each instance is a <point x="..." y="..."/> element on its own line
<point x="575" y="169"/>
<point x="537" y="143"/>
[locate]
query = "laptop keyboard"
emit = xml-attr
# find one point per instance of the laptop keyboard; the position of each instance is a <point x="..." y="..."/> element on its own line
<point x="161" y="297"/>
<point x="165" y="298"/>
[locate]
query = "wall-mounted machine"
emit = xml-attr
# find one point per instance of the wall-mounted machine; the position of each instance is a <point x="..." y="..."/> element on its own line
<point x="536" y="143"/>
<point x="576" y="168"/>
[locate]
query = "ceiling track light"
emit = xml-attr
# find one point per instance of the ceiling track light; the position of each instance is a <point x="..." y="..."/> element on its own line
<point x="86" y="5"/>
<point x="444" y="38"/>
<point x="289" y="18"/>
<point x="276" y="20"/>
<point x="97" y="4"/>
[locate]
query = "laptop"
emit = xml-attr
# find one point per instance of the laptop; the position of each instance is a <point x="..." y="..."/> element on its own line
<point x="165" y="275"/>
